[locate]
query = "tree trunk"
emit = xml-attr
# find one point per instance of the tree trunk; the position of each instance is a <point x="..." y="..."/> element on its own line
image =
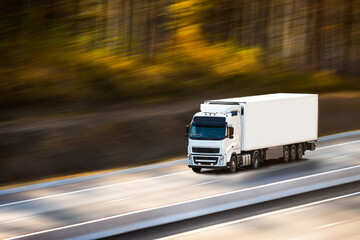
<point x="318" y="34"/>
<point x="130" y="29"/>
<point x="348" y="23"/>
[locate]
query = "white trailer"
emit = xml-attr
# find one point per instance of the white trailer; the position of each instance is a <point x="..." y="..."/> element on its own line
<point x="236" y="132"/>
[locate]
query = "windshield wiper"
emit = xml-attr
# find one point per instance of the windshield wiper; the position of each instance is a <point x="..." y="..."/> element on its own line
<point x="214" y="138"/>
<point x="211" y="137"/>
<point x="192" y="137"/>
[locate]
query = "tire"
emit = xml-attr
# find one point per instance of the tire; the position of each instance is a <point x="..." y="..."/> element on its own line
<point x="293" y="153"/>
<point x="300" y="151"/>
<point x="255" y="160"/>
<point x="286" y="154"/>
<point x="197" y="170"/>
<point x="233" y="166"/>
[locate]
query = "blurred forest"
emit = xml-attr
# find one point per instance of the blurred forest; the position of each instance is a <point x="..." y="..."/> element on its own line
<point x="85" y="84"/>
<point x="91" y="52"/>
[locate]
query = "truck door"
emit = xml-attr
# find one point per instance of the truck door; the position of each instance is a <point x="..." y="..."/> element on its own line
<point x="242" y="122"/>
<point x="236" y="141"/>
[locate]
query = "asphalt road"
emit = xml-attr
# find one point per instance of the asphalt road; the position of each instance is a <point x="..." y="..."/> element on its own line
<point x="335" y="218"/>
<point x="35" y="210"/>
<point x="331" y="213"/>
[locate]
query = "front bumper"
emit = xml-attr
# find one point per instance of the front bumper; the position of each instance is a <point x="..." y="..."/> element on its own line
<point x="207" y="166"/>
<point x="207" y="161"/>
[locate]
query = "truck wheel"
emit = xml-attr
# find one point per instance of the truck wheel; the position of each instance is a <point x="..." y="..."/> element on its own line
<point x="286" y="154"/>
<point x="300" y="151"/>
<point x="197" y="170"/>
<point x="255" y="160"/>
<point x="233" y="166"/>
<point x="292" y="153"/>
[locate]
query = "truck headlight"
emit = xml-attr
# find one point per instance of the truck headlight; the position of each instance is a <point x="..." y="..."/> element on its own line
<point x="221" y="160"/>
<point x="190" y="160"/>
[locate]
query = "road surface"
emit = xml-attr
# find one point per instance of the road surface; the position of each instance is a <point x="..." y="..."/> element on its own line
<point x="331" y="213"/>
<point x="34" y="212"/>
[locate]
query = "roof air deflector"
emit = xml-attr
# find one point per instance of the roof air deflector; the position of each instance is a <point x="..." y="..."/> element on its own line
<point x="222" y="103"/>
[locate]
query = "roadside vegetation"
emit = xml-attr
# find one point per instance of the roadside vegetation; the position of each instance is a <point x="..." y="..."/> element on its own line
<point x="85" y="84"/>
<point x="72" y="54"/>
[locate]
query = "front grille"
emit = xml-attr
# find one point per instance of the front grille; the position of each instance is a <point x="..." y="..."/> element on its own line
<point x="206" y="160"/>
<point x="206" y="150"/>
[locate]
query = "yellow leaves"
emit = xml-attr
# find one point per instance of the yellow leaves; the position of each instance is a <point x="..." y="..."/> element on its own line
<point x="187" y="12"/>
<point x="190" y="32"/>
<point x="122" y="63"/>
<point x="188" y="6"/>
<point x="183" y="6"/>
<point x="243" y="61"/>
<point x="325" y="79"/>
<point x="153" y="75"/>
<point x="230" y="68"/>
<point x="250" y="58"/>
<point x="111" y="62"/>
<point x="220" y="59"/>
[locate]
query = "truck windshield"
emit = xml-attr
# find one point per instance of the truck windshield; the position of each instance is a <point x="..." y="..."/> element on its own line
<point x="207" y="133"/>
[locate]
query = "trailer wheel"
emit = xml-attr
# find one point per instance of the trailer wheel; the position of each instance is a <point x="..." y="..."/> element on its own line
<point x="293" y="153"/>
<point x="300" y="152"/>
<point x="233" y="166"/>
<point x="255" y="160"/>
<point x="197" y="170"/>
<point x="286" y="154"/>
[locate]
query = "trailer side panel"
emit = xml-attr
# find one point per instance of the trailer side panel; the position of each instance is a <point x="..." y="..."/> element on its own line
<point x="280" y="122"/>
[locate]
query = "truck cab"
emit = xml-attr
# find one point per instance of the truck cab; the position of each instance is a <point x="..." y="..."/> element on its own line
<point x="214" y="136"/>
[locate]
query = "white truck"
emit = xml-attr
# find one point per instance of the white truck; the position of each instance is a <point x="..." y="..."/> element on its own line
<point x="236" y="132"/>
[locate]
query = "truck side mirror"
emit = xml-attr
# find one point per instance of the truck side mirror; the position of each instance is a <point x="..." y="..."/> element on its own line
<point x="231" y="132"/>
<point x="187" y="130"/>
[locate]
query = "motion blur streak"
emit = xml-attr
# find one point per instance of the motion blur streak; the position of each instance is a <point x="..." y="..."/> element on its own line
<point x="92" y="85"/>
<point x="258" y="216"/>
<point x="341" y="144"/>
<point x="85" y="84"/>
<point x="91" y="189"/>
<point x="93" y="212"/>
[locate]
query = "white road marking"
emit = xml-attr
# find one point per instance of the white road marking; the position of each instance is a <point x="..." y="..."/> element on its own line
<point x="257" y="216"/>
<point x="90" y="177"/>
<point x="120" y="199"/>
<point x="90" y="189"/>
<point x="348" y="155"/>
<point x="329" y="225"/>
<point x="204" y="183"/>
<point x="139" y="180"/>
<point x="340" y="144"/>
<point x="18" y="219"/>
<point x="130" y="182"/>
<point x="126" y="171"/>
<point x="179" y="203"/>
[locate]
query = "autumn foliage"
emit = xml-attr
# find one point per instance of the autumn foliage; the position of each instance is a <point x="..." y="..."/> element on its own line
<point x="86" y="52"/>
